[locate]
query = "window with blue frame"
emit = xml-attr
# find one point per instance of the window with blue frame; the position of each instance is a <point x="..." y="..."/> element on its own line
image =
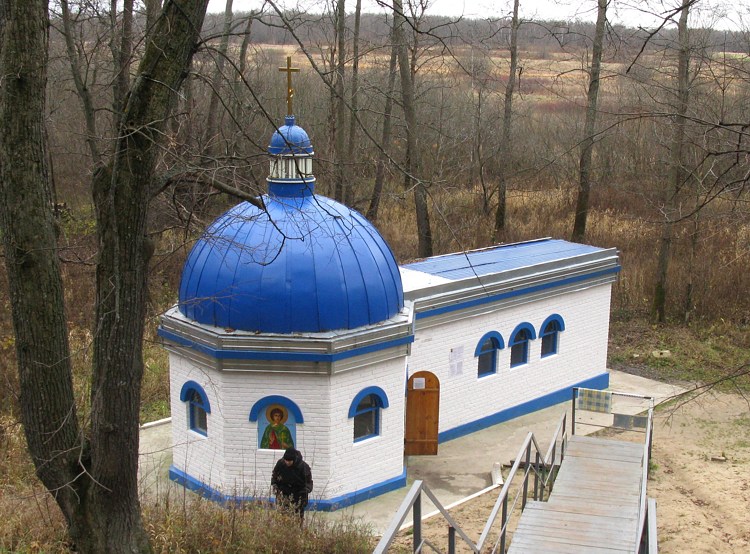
<point x="366" y="420"/>
<point x="486" y="353"/>
<point x="519" y="344"/>
<point x="550" y="335"/>
<point x="366" y="411"/>
<point x="198" y="407"/>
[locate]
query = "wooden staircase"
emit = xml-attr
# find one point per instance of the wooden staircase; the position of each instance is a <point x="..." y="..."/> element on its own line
<point x="594" y="505"/>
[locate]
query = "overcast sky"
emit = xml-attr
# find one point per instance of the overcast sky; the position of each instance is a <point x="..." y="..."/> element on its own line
<point x="629" y="12"/>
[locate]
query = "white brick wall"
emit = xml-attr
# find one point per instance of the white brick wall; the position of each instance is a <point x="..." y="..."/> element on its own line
<point x="228" y="459"/>
<point x="198" y="456"/>
<point x="582" y="354"/>
<point x="248" y="468"/>
<point x="358" y="465"/>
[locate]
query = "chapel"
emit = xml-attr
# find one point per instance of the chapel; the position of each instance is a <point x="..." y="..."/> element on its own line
<point x="296" y="326"/>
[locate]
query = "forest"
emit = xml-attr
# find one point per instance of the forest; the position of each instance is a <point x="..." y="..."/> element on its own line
<point x="449" y="134"/>
<point x="666" y="156"/>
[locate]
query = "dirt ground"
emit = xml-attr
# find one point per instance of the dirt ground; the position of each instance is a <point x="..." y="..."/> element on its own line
<point x="700" y="479"/>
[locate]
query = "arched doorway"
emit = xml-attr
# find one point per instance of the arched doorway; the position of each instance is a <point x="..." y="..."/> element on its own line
<point x="422" y="414"/>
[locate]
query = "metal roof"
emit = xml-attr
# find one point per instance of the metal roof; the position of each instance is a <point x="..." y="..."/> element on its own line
<point x="306" y="264"/>
<point x="504" y="275"/>
<point x="488" y="261"/>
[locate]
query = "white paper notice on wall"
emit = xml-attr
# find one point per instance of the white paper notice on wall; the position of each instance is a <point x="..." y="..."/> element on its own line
<point x="456" y="360"/>
<point x="418" y="383"/>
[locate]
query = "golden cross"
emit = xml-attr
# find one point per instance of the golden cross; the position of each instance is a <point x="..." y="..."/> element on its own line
<point x="289" y="90"/>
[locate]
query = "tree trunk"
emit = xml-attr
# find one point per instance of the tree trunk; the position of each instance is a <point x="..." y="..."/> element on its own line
<point x="94" y="478"/>
<point x="587" y="145"/>
<point x="153" y="8"/>
<point x="339" y="136"/>
<point x="678" y="174"/>
<point x="27" y="227"/>
<point x="349" y="190"/>
<point x="504" y="154"/>
<point x="385" y="138"/>
<point x="412" y="155"/>
<point x="245" y="44"/>
<point x="121" y="45"/>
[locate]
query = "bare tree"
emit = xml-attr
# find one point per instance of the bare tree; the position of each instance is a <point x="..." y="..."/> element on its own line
<point x="354" y="106"/>
<point x="89" y="467"/>
<point x="504" y="153"/>
<point x="121" y="45"/>
<point x="678" y="174"/>
<point x="385" y="136"/>
<point x="212" y="119"/>
<point x="339" y="135"/>
<point x="412" y="154"/>
<point x="587" y="144"/>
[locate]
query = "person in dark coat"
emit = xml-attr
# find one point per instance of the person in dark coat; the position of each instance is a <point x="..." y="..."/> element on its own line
<point x="292" y="482"/>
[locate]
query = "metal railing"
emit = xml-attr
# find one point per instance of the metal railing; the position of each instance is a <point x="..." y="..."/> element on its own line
<point x="544" y="469"/>
<point x="413" y="502"/>
<point x="642" y="542"/>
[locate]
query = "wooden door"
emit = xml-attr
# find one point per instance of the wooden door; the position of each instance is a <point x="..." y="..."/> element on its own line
<point x="422" y="414"/>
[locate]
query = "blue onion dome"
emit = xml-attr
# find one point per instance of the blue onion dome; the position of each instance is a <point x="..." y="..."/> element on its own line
<point x="290" y="139"/>
<point x="306" y="264"/>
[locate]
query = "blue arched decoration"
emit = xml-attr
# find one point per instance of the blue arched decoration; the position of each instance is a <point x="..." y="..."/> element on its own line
<point x="496" y="338"/>
<point x="191" y="386"/>
<point x="553" y="317"/>
<point x="549" y="333"/>
<point x="521" y="326"/>
<point x="380" y="398"/>
<point x="487" y="355"/>
<point x="275" y="399"/>
<point x="519" y="343"/>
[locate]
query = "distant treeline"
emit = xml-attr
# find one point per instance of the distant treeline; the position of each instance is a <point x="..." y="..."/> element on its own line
<point x="550" y="35"/>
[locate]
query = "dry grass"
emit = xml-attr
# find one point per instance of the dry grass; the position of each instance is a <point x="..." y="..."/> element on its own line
<point x="176" y="522"/>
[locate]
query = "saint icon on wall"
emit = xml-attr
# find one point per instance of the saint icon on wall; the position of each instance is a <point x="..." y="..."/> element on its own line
<point x="276" y="435"/>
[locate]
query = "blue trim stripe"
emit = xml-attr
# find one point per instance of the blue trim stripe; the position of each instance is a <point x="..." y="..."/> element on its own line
<point x="261" y="404"/>
<point x="321" y="505"/>
<point x="562" y="395"/>
<point x="517" y="292"/>
<point x="221" y="354"/>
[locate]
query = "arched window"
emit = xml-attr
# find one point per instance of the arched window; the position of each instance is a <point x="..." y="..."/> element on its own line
<point x="486" y="353"/>
<point x="197" y="406"/>
<point x="365" y="409"/>
<point x="549" y="333"/>
<point x="519" y="344"/>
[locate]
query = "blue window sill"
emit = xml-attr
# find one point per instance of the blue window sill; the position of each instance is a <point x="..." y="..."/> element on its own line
<point x="199" y="433"/>
<point x="488" y="374"/>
